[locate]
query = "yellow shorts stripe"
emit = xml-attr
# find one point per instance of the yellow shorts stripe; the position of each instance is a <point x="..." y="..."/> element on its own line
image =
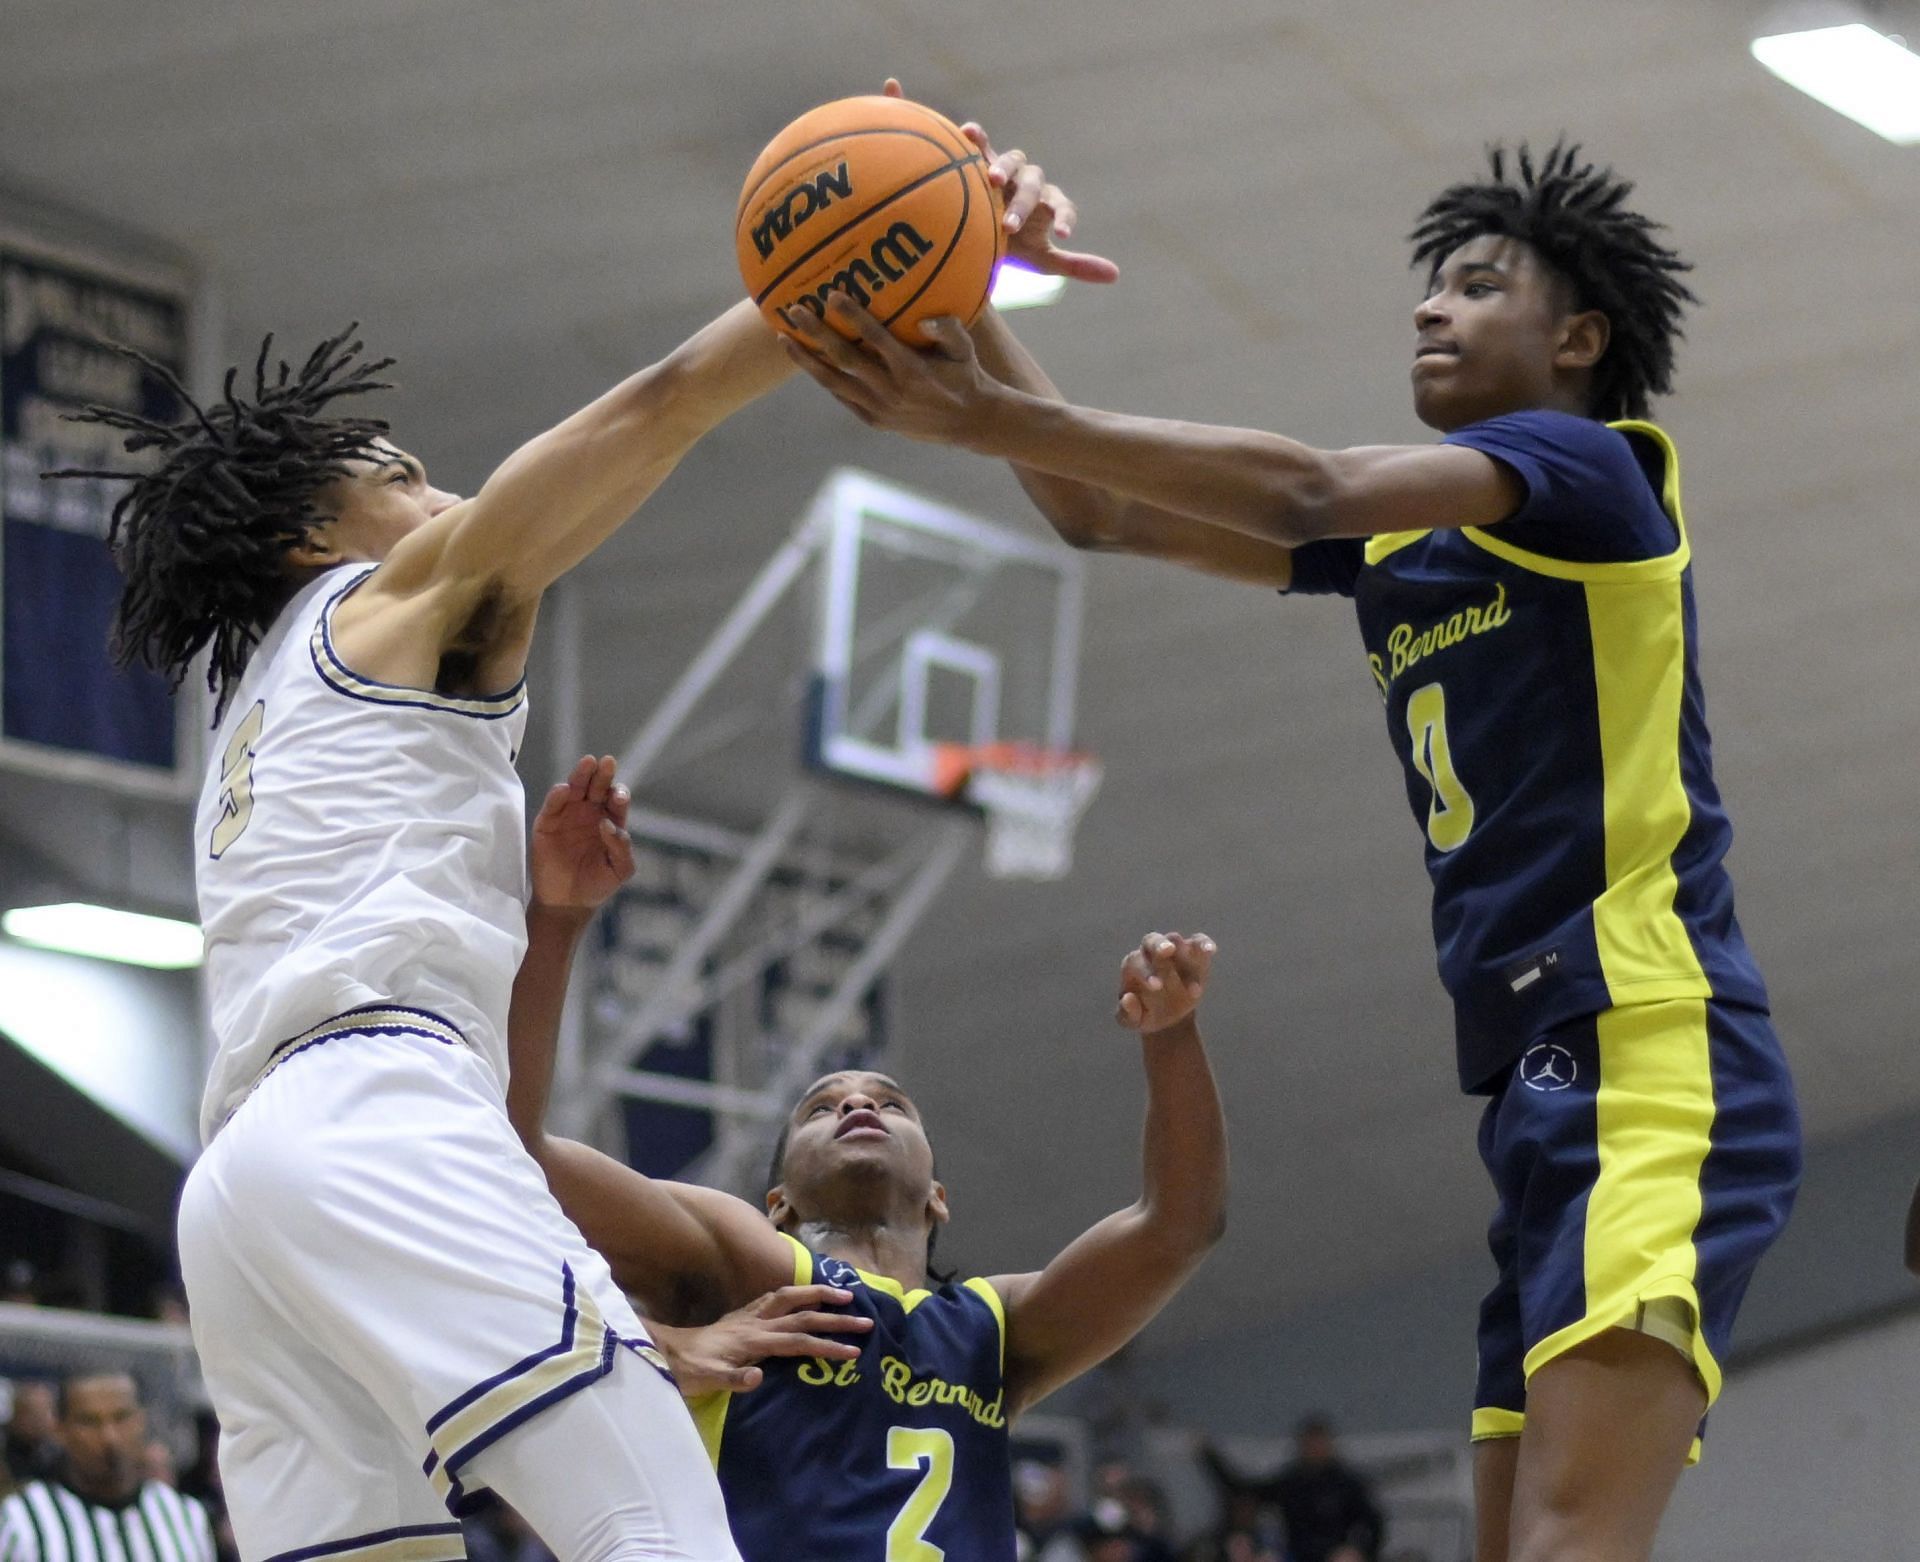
<point x="1654" y="1121"/>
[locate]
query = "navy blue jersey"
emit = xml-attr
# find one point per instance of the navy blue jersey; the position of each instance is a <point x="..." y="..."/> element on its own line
<point x="1543" y="696"/>
<point x="901" y="1453"/>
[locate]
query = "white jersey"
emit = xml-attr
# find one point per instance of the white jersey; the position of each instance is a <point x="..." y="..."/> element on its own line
<point x="356" y="843"/>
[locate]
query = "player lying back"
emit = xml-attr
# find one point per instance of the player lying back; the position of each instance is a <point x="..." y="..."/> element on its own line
<point x="1525" y="596"/>
<point x="902" y="1449"/>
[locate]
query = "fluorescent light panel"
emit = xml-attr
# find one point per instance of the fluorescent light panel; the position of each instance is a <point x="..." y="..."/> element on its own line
<point x="102" y="933"/>
<point x="1020" y="287"/>
<point x="1855" y="71"/>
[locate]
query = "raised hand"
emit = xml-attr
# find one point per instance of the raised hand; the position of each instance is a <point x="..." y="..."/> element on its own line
<point x="786" y="1322"/>
<point x="581" y="852"/>
<point x="939" y="395"/>
<point x="1037" y="212"/>
<point x="1162" y="981"/>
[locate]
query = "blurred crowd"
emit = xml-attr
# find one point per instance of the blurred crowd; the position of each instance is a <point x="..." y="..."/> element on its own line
<point x="1314" y="1508"/>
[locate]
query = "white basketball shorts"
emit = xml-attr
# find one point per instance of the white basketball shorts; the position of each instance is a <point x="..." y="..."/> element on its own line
<point x="383" y="1288"/>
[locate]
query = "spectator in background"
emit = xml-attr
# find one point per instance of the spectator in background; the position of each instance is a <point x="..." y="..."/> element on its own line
<point x="101" y="1507"/>
<point x="1246" y="1531"/>
<point x="1128" y="1520"/>
<point x="19" y="1284"/>
<point x="31" y="1449"/>
<point x="1041" y="1504"/>
<point x="1326" y="1508"/>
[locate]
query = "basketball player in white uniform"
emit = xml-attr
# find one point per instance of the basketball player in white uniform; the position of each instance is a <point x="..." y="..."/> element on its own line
<point x="392" y="1312"/>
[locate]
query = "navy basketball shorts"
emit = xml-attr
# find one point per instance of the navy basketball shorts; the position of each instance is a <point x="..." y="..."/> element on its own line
<point x="1644" y="1157"/>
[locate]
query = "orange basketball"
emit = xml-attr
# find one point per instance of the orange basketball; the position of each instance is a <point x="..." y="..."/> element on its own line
<point x="877" y="196"/>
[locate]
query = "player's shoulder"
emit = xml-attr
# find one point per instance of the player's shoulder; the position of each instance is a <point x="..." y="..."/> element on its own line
<point x="1548" y="432"/>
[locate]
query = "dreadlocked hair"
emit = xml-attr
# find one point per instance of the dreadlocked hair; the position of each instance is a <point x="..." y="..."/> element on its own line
<point x="201" y="537"/>
<point x="1574" y="216"/>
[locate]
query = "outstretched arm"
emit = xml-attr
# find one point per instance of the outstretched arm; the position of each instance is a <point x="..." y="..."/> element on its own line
<point x="688" y="1254"/>
<point x="1110" y="1281"/>
<point x="1091" y="517"/>
<point x="1263" y="486"/>
<point x="549" y="505"/>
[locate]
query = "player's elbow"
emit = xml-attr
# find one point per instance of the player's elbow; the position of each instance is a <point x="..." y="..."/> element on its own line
<point x="1302" y="496"/>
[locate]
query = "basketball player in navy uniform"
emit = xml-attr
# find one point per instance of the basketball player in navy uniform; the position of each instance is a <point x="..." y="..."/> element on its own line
<point x="895" y="1447"/>
<point x="1525" y="599"/>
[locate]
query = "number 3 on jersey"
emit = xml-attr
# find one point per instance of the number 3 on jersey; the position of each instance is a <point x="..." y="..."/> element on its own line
<point x="907" y="1448"/>
<point x="236" y="781"/>
<point x="1450" y="814"/>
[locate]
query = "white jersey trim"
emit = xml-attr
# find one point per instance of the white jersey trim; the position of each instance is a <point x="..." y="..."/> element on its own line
<point x="344" y="680"/>
<point x="369" y="1019"/>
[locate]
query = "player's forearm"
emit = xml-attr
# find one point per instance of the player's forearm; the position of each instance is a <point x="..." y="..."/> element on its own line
<point x="564" y="493"/>
<point x="1260" y="484"/>
<point x="533" y="1016"/>
<point x="1081" y="512"/>
<point x="1183" y="1204"/>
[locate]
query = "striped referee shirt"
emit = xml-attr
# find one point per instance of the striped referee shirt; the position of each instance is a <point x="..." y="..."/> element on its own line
<point x="46" y="1521"/>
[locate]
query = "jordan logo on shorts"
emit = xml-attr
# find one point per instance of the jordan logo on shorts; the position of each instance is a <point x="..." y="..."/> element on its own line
<point x="1548" y="1066"/>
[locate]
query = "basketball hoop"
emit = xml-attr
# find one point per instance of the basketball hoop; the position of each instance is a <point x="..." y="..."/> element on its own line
<point x="1032" y="798"/>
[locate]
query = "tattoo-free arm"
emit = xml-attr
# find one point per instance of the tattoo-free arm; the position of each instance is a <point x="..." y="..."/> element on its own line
<point x="1262" y="485"/>
<point x="1090" y="517"/>
<point x="564" y="492"/>
<point x="688" y="1254"/>
<point x="1110" y="1281"/>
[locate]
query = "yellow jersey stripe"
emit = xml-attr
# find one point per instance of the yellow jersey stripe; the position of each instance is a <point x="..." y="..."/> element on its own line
<point x="709" y="1412"/>
<point x="1668" y="566"/>
<point x="985" y="1291"/>
<point x="1386" y="543"/>
<point x="1654" y="1125"/>
<point x="802" y="1261"/>
<point x="1639" y="674"/>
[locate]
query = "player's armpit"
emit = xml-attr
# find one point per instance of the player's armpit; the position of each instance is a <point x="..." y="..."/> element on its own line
<point x="688" y="1254"/>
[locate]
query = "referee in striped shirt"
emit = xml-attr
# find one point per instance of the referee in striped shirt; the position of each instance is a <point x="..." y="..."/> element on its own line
<point x="99" y="1508"/>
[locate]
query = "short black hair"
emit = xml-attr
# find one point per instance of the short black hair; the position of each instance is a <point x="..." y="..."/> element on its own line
<point x="201" y="537"/>
<point x="1574" y="216"/>
<point x="63" y="1391"/>
<point x="777" y="1174"/>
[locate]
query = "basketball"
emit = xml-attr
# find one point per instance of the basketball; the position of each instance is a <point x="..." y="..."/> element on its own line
<point x="878" y="197"/>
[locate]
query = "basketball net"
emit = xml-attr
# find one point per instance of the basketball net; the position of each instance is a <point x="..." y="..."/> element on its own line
<point x="1032" y="798"/>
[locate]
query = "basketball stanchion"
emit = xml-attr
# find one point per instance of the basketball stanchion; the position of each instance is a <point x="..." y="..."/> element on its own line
<point x="1032" y="797"/>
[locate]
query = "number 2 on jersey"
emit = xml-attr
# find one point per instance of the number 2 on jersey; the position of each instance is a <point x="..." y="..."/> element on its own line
<point x="1450" y="814"/>
<point x="907" y="1448"/>
<point x="236" y="781"/>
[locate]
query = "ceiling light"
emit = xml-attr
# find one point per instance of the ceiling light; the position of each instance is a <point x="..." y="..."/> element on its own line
<point x="103" y="933"/>
<point x="1021" y="287"/>
<point x="1854" y="70"/>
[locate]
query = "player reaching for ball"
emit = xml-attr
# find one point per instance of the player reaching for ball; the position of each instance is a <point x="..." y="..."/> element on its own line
<point x="896" y="1446"/>
<point x="1525" y="599"/>
<point x="381" y="1283"/>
